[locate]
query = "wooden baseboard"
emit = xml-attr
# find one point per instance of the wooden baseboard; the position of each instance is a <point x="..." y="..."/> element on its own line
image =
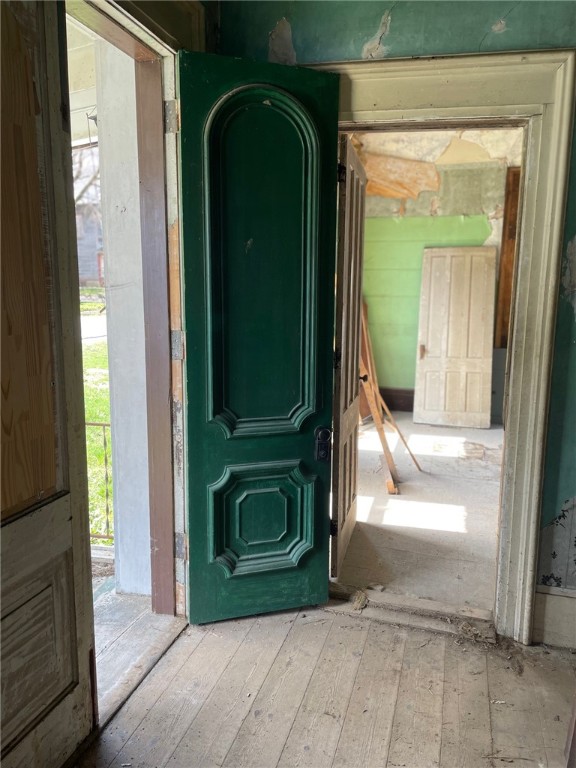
<point x="554" y="620"/>
<point x="398" y="399"/>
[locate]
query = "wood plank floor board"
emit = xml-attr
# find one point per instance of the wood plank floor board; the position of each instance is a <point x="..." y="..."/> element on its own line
<point x="126" y="721"/>
<point x="357" y="693"/>
<point x="365" y="737"/>
<point x="170" y="717"/>
<point x="416" y="731"/>
<point x="263" y="733"/>
<point x="517" y="733"/>
<point x="314" y="735"/>
<point x="114" y="614"/>
<point x="127" y="660"/>
<point x="466" y="732"/>
<point x="209" y="737"/>
<point x="550" y="687"/>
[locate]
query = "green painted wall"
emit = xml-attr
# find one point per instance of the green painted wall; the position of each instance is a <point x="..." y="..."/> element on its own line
<point x="336" y="31"/>
<point x="392" y="276"/>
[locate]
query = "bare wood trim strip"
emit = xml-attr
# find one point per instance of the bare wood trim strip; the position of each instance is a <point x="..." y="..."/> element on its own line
<point x="157" y="339"/>
<point x="507" y="258"/>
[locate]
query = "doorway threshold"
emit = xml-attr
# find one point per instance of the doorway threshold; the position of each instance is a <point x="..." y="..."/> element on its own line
<point x="418" y="613"/>
<point x="129" y="639"/>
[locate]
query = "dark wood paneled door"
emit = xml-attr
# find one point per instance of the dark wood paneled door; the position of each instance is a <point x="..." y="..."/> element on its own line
<point x="351" y="196"/>
<point x="259" y="154"/>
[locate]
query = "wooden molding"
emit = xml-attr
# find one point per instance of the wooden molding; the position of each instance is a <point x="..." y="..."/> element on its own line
<point x="534" y="90"/>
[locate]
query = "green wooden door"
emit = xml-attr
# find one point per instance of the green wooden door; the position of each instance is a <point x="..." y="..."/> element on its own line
<point x="259" y="173"/>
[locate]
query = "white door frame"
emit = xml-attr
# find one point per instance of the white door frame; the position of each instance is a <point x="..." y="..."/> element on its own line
<point x="534" y="90"/>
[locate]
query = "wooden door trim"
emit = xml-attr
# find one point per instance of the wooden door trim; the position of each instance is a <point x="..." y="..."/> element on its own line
<point x="156" y="288"/>
<point x="100" y="23"/>
<point x="150" y="131"/>
<point x="536" y="90"/>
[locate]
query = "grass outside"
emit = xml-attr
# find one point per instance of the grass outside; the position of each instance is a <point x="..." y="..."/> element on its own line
<point x="92" y="300"/>
<point x="97" y="408"/>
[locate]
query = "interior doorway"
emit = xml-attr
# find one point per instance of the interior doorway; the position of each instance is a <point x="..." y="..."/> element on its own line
<point x="453" y="195"/>
<point x="117" y="156"/>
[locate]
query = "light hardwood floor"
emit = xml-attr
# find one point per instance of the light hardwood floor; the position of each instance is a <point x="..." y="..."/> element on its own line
<point x="315" y="688"/>
<point x="129" y="641"/>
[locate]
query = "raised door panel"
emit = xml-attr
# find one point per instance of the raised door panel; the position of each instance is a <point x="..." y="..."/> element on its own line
<point x="263" y="229"/>
<point x="39" y="664"/>
<point x="29" y="424"/>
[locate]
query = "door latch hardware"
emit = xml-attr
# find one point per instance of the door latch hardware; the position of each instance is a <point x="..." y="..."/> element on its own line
<point x="322" y="443"/>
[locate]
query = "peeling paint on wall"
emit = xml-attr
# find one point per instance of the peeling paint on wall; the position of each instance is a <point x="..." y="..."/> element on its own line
<point x="569" y="274"/>
<point x="462" y="151"/>
<point x="499" y="26"/>
<point x="466" y="190"/>
<point x="482" y="145"/>
<point x="495" y="236"/>
<point x="374" y="49"/>
<point x="398" y="177"/>
<point x="557" y="561"/>
<point x="280" y="46"/>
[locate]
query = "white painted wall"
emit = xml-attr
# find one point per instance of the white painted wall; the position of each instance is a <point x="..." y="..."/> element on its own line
<point x="125" y="315"/>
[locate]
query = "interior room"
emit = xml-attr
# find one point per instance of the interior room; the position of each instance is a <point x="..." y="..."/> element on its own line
<point x="445" y="195"/>
<point x="235" y="400"/>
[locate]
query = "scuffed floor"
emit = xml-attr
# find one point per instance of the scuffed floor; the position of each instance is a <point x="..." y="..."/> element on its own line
<point x="314" y="688"/>
<point x="437" y="539"/>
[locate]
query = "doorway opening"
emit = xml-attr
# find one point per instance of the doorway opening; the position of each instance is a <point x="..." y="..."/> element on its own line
<point x="439" y="250"/>
<point x="115" y="168"/>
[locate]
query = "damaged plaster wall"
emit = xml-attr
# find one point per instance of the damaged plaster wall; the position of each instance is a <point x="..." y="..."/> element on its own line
<point x="339" y="31"/>
<point x="557" y="561"/>
<point x="471" y="165"/>
<point x="350" y="30"/>
<point x="280" y="46"/>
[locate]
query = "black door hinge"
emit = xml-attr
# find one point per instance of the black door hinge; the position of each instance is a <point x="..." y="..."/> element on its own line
<point x="337" y="359"/>
<point x="341" y="172"/>
<point x="333" y="527"/>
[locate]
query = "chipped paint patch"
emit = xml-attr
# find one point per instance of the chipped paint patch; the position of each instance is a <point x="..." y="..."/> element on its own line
<point x="569" y="274"/>
<point x="280" y="46"/>
<point x="499" y="27"/>
<point x="495" y="236"/>
<point x="557" y="559"/>
<point x="374" y="49"/>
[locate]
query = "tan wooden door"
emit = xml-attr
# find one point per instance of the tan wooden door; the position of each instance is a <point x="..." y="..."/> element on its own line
<point x="47" y="634"/>
<point x="454" y="358"/>
<point x="352" y="188"/>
